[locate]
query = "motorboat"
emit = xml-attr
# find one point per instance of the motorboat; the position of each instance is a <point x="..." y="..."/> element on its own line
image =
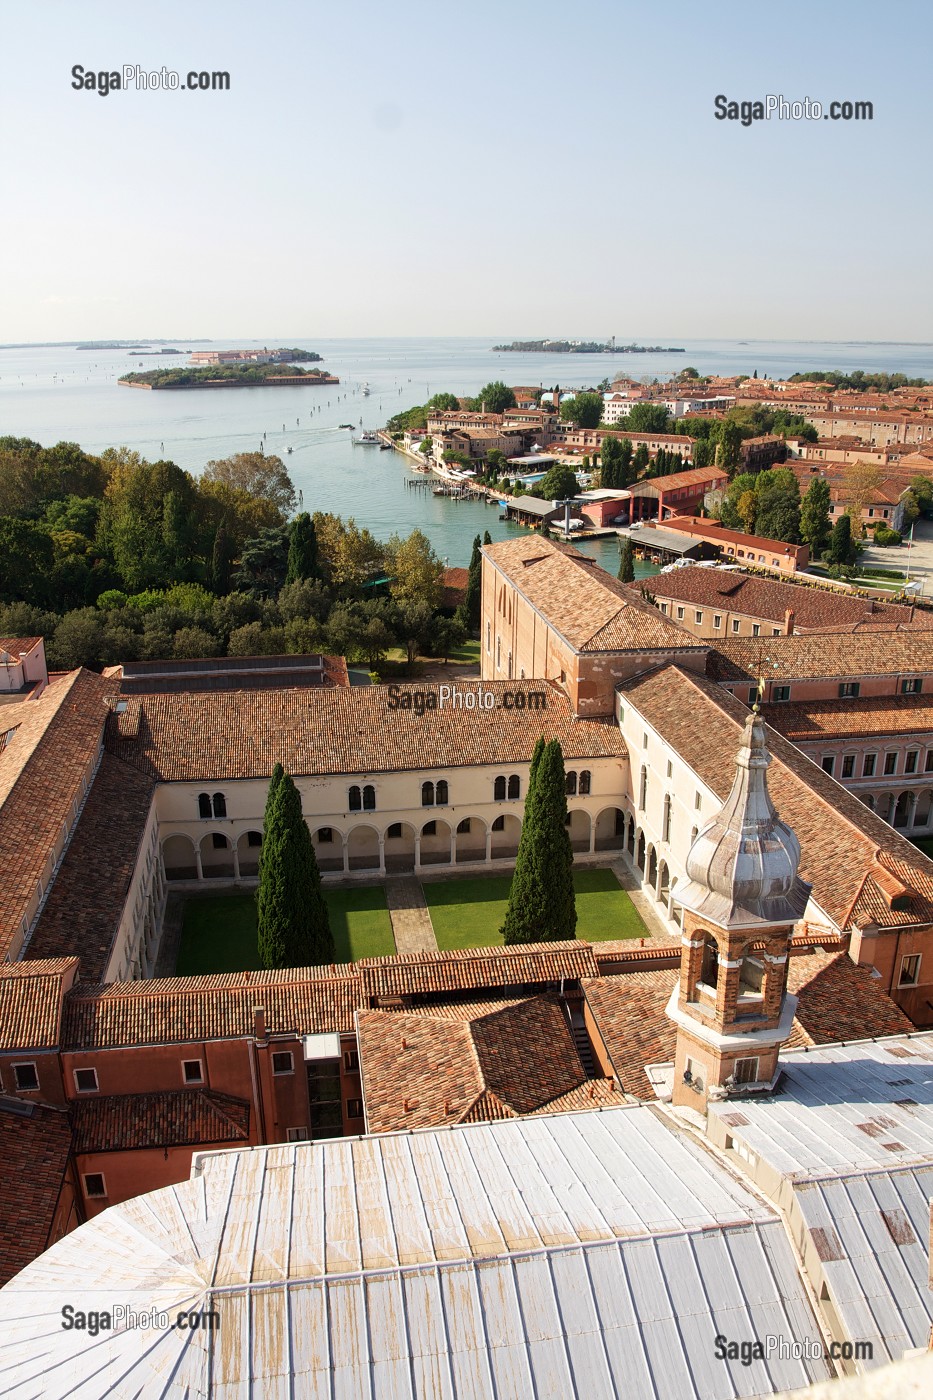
<point x="366" y="439"/>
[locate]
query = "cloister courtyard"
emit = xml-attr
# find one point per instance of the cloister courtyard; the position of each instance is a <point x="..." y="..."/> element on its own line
<point x="400" y="914"/>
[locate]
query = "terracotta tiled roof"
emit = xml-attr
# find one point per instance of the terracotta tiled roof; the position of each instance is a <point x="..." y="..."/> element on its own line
<point x="678" y="481"/>
<point x="463" y="969"/>
<point x="501" y="1060"/>
<point x="821" y="656"/>
<point x="453" y="584"/>
<point x="835" y="1001"/>
<point x="343" y="731"/>
<point x="15" y="646"/>
<point x="179" y="1010"/>
<point x="31" y="995"/>
<point x="85" y="905"/>
<point x="175" y="1118"/>
<point x="34" y="1153"/>
<point x="874" y="715"/>
<point x="712" y="530"/>
<point x="591" y="610"/>
<point x="841" y="840"/>
<point x="770" y="599"/>
<point x="40" y="781"/>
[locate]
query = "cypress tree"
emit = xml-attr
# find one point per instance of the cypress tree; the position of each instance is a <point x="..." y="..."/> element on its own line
<point x="294" y="928"/>
<point x="220" y="559"/>
<point x="473" y="595"/>
<point x="487" y="537"/>
<point x="302" y="549"/>
<point x="841" y="549"/>
<point x="627" y="563"/>
<point x="541" y="904"/>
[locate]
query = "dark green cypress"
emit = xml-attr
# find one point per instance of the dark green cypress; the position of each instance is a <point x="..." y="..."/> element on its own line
<point x="302" y="549"/>
<point x="294" y="928"/>
<point x="627" y="563"/>
<point x="542" y="905"/>
<point x="220" y="559"/>
<point x="473" y="595"/>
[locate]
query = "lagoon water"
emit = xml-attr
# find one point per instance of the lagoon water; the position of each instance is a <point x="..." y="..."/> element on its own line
<point x="61" y="393"/>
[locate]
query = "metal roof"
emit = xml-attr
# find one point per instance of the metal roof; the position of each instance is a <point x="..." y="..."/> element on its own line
<point x="843" y="1108"/>
<point x="592" y="1255"/>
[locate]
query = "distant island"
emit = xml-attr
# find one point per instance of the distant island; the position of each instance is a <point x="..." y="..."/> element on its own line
<point x="227" y="376"/>
<point x="116" y="344"/>
<point x="588" y="347"/>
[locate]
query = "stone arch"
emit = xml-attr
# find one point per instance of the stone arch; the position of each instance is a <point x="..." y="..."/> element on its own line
<point x="664" y="882"/>
<point x="399" y="849"/>
<point x="247" y="852"/>
<point x="630" y="843"/>
<point x="328" y="847"/>
<point x="504" y="838"/>
<point x="640" y="852"/>
<point x="709" y="964"/>
<point x="435" y="845"/>
<point x="651" y="869"/>
<point x="216" y="856"/>
<point x="924" y="808"/>
<point x="470" y="840"/>
<point x="363" y="848"/>
<point x="903" y="809"/>
<point x="610" y="829"/>
<point x="579" y="829"/>
<point x="178" y="857"/>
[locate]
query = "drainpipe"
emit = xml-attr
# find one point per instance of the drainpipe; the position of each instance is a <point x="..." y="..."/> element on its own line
<point x="259" y="1034"/>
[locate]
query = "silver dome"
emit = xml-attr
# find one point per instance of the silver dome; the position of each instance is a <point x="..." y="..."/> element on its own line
<point x="742" y="867"/>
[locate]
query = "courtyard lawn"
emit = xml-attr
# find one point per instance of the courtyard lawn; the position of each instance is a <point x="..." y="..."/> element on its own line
<point x="469" y="913"/>
<point x="219" y="931"/>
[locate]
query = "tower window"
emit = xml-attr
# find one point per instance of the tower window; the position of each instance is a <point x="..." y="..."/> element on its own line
<point x="709" y="972"/>
<point x="745" y="1071"/>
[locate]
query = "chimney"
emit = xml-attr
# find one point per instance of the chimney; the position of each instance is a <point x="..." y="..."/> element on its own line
<point x="789" y="618"/>
<point x="259" y="1022"/>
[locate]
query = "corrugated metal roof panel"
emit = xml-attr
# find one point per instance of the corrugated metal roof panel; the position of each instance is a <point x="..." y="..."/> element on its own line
<point x="586" y="1255"/>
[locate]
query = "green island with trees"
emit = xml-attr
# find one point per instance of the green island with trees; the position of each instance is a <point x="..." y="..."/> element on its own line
<point x="586" y="347"/>
<point x="857" y="379"/>
<point x="246" y="375"/>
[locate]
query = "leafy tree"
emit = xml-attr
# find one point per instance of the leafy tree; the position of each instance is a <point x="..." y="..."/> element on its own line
<point x="415" y="627"/>
<point x="860" y="483"/>
<point x="77" y="641"/>
<point x="842" y="548"/>
<point x="473" y="596"/>
<point x="777" y="495"/>
<point x="558" y="483"/>
<point x="541" y="904"/>
<point x="443" y="403"/>
<point x="416" y="569"/>
<point x="293" y="923"/>
<point x="261" y="477"/>
<point x="495" y="396"/>
<point x="302" y="549"/>
<point x="426" y="445"/>
<point x="815" y="524"/>
<point x="627" y="562"/>
<point x="611" y="471"/>
<point x="728" y="449"/>
<point x="586" y="410"/>
<point x="26" y="557"/>
<point x="646" y="418"/>
<point x="144" y="520"/>
<point x="195" y="641"/>
<point x="255" y="640"/>
<point x="348" y="556"/>
<point x="729" y="513"/>
<point x="448" y="633"/>
<point x="689" y="373"/>
<point x="263" y="564"/>
<point x="704" y="452"/>
<point x="640" y="460"/>
<point x="487" y="537"/>
<point x="177" y="534"/>
<point x="221" y="559"/>
<point x="305" y="598"/>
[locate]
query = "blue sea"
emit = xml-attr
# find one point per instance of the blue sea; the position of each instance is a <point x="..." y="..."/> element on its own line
<point x="61" y="393"/>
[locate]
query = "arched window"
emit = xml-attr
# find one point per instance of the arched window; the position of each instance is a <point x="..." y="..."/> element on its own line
<point x="220" y="805"/>
<point x="498" y="791"/>
<point x="515" y="787"/>
<point x="427" y="794"/>
<point x="369" y="799"/>
<point x="570" y="786"/>
<point x="752" y="973"/>
<point x="499" y="824"/>
<point x="356" y="799"/>
<point x="584" y="785"/>
<point x="204" y="804"/>
<point x="442" y="793"/>
<point x="709" y="971"/>
<point x="666" y="825"/>
<point x="463" y="828"/>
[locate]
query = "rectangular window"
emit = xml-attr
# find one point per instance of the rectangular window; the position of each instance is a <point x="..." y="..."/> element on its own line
<point x="25" y="1078"/>
<point x="735" y="624"/>
<point x="680" y="614"/>
<point x="86" y="1081"/>
<point x="848" y="765"/>
<point x="910" y="971"/>
<point x="756" y="629"/>
<point x="283" y="1062"/>
<point x="910" y="761"/>
<point x="193" y="1071"/>
<point x="868" y="765"/>
<point x="670" y="769"/>
<point x="928" y="768"/>
<point x="354" y="1108"/>
<point x="698" y="616"/>
<point x="829" y="763"/>
<point x="296" y="1135"/>
<point x="780" y="692"/>
<point x="94" y="1186"/>
<point x="697" y="802"/>
<point x="717" y="620"/>
<point x="775" y="631"/>
<point x="745" y="1071"/>
<point x="351" y="1061"/>
<point x="912" y="687"/>
<point x="848" y="690"/>
<point x="890" y="764"/>
<point x="664" y="609"/>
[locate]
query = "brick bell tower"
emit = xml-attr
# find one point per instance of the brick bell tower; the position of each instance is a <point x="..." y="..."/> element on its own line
<point x="741" y="901"/>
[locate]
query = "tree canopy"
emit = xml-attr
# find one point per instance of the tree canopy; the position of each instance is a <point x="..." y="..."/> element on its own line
<point x="542" y="904"/>
<point x="293" y="923"/>
<point x="495" y="396"/>
<point x="586" y="410"/>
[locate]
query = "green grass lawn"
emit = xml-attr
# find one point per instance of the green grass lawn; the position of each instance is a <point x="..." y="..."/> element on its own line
<point x="219" y="931"/>
<point x="468" y="913"/>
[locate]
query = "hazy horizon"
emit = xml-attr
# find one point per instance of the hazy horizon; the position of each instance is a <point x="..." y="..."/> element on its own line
<point x="426" y="171"/>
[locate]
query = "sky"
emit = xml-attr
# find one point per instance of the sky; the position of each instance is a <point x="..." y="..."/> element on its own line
<point x="512" y="168"/>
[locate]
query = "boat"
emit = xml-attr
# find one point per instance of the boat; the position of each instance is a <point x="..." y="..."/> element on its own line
<point x="346" y="425"/>
<point x="289" y="449"/>
<point x="366" y="440"/>
<point x="385" y="447"/>
<point x="366" y="390"/>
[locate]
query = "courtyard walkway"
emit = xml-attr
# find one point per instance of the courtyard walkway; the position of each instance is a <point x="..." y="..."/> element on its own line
<point x="411" y="922"/>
